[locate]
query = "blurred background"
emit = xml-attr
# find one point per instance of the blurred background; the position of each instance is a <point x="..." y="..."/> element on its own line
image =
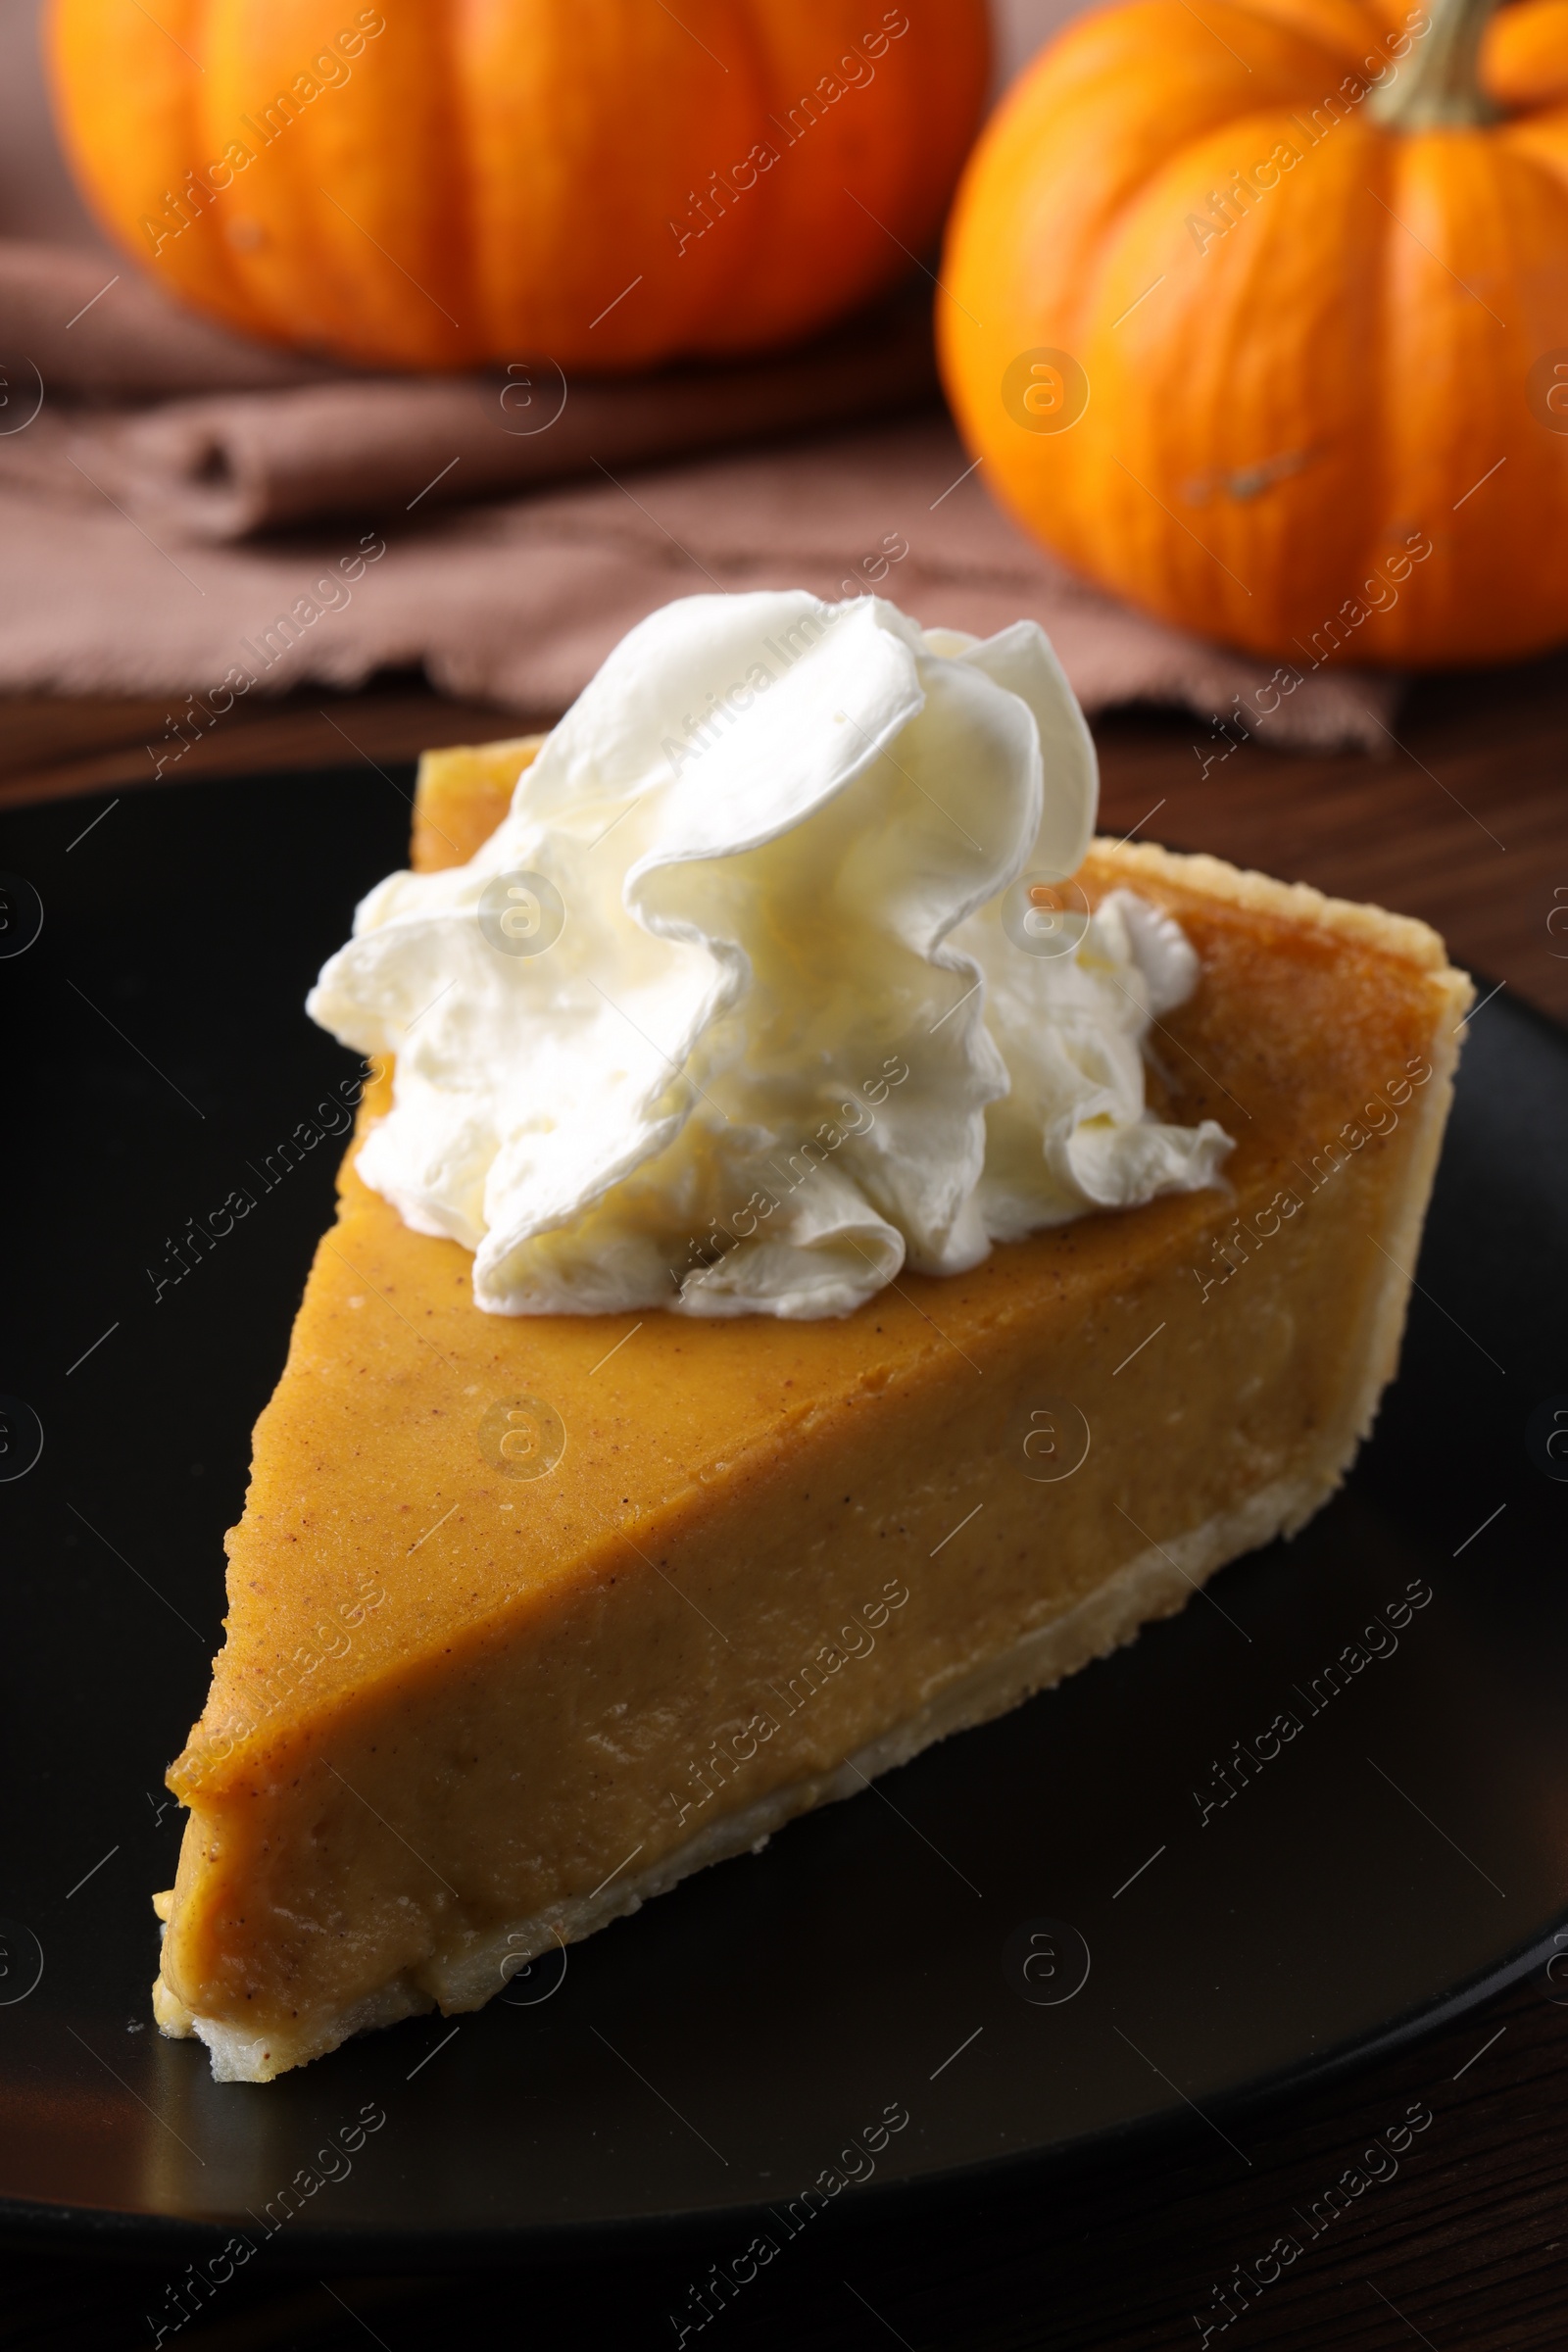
<point x="1275" y="459"/>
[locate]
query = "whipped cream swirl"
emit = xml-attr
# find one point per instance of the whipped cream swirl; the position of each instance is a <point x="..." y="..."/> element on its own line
<point x="810" y="1011"/>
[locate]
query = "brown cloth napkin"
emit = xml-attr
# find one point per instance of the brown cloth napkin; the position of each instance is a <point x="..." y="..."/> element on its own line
<point x="225" y="466"/>
<point x="275" y="438"/>
<point x="92" y="325"/>
<point x="129" y="560"/>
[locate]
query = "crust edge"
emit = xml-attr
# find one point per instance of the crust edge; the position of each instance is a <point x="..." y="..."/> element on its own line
<point x="1404" y="937"/>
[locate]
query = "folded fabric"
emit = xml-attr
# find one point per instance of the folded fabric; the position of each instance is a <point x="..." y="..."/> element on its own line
<point x="143" y="451"/>
<point x="90" y="325"/>
<point x="264" y="437"/>
<point x="519" y="601"/>
<point x="224" y="467"/>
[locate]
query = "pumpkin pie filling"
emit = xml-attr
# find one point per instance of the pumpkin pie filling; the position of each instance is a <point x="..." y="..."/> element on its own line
<point x="530" y="1615"/>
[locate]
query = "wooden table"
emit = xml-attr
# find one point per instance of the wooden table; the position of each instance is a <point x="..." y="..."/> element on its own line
<point x="1465" y="822"/>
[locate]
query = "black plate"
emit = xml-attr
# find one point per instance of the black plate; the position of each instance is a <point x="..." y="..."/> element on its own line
<point x="748" y="2033"/>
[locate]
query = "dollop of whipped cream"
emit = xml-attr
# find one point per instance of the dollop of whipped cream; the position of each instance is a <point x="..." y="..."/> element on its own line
<point x="810" y="1011"/>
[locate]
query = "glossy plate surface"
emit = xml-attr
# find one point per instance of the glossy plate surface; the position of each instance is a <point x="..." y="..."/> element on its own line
<point x="917" y="1952"/>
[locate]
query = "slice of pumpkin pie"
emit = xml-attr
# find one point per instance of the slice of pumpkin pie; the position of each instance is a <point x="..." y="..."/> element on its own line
<point x="837" y="1251"/>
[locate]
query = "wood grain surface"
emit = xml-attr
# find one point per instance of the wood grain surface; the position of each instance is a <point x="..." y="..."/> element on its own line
<point x="1464" y="823"/>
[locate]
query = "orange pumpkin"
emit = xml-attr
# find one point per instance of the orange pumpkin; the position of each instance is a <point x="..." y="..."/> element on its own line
<point x="608" y="183"/>
<point x="1257" y="313"/>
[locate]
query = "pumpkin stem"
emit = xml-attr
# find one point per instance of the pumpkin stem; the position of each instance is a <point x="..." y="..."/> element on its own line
<point x="1437" y="86"/>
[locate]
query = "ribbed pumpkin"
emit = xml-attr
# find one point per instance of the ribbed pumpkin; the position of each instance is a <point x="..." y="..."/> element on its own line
<point x="609" y="182"/>
<point x="1258" y="316"/>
